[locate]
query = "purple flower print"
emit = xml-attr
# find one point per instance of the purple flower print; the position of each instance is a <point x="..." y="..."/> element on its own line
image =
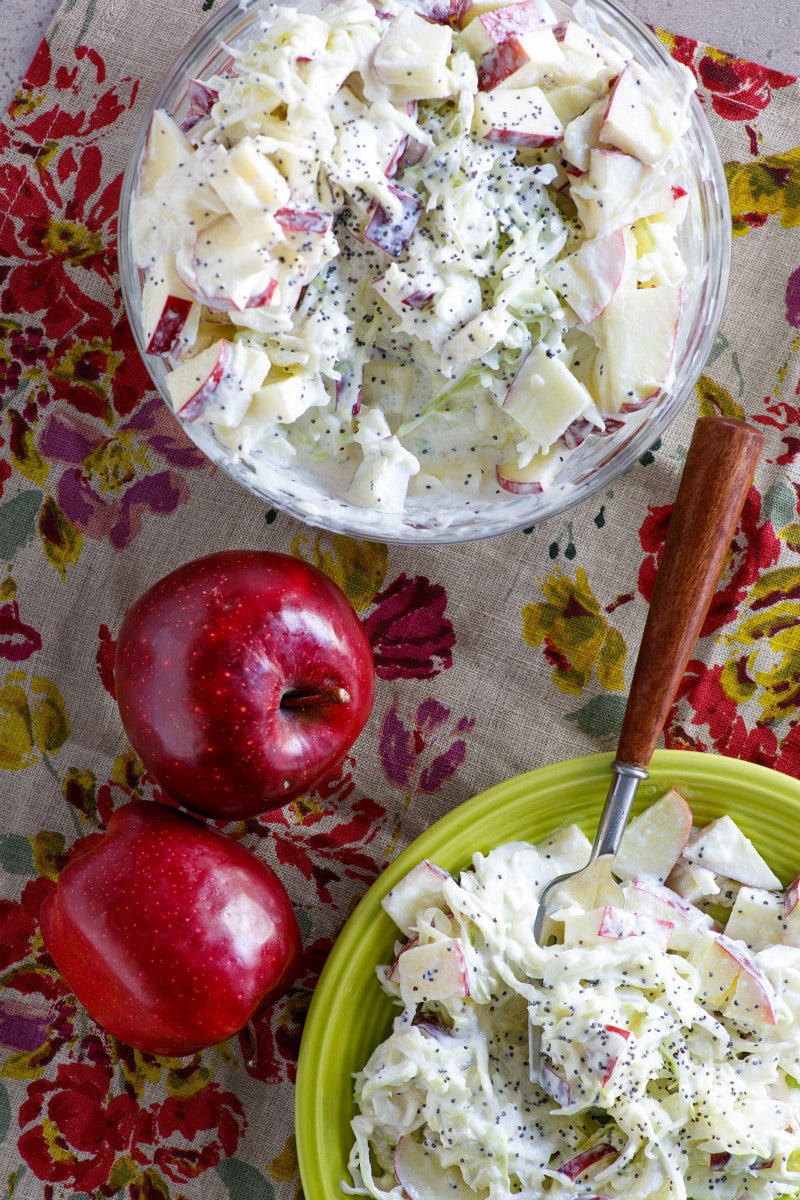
<point x="424" y="752"/>
<point x="112" y="480"/>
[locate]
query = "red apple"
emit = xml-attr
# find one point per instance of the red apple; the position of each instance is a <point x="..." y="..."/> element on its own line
<point x="242" y="680"/>
<point x="171" y="934"/>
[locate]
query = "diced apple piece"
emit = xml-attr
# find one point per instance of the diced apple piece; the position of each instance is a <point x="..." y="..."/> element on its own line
<point x="544" y="397"/>
<point x="170" y="317"/>
<point x="487" y="24"/>
<point x="730" y="979"/>
<point x="217" y="384"/>
<point x="582" y="135"/>
<point x="227" y="271"/>
<point x="165" y="148"/>
<point x="646" y="114"/>
<point x="535" y="476"/>
<point x="580" y="1163"/>
<point x="637" y="334"/>
<point x="570" y="101"/>
<point x="381" y="480"/>
<point x="791" y="915"/>
<point x="623" y="923"/>
<point x="605" y="1047"/>
<point x="284" y="396"/>
<point x="723" y="848"/>
<point x="616" y="923"/>
<point x="567" y="849"/>
<point x="245" y="179"/>
<point x="618" y="189"/>
<point x="521" y="61"/>
<point x="588" y="278"/>
<point x="422" y="1177"/>
<point x="516" y="117"/>
<point x="753" y="998"/>
<point x="585" y="59"/>
<point x="689" y="923"/>
<point x="433" y="971"/>
<point x="392" y="230"/>
<point x="757" y="918"/>
<point x="693" y="882"/>
<point x="654" y="839"/>
<point x="411" y="57"/>
<point x="421" y="888"/>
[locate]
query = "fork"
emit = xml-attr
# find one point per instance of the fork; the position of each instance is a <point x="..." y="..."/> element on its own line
<point x="714" y="484"/>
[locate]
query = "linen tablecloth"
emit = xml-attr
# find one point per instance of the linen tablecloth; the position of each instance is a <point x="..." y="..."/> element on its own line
<point x="491" y="657"/>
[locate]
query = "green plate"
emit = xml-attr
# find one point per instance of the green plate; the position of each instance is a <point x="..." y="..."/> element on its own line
<point x="350" y="1014"/>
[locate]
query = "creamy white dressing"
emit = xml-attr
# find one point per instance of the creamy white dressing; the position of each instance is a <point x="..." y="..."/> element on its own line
<point x="659" y="1079"/>
<point x="362" y="203"/>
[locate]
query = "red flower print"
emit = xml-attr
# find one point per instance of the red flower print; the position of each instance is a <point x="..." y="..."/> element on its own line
<point x="106" y="653"/>
<point x="409" y="630"/>
<point x="73" y="1130"/>
<point x="755" y="547"/>
<point x="194" y="1132"/>
<point x="18" y="640"/>
<point x="739" y="89"/>
<point x="428" y="749"/>
<point x="270" y="1051"/>
<point x="38" y="120"/>
<point x="58" y="230"/>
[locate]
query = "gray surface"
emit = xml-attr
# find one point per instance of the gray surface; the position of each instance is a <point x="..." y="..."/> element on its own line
<point x="767" y="31"/>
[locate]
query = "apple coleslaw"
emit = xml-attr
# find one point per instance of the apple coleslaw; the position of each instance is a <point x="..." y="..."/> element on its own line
<point x="426" y="249"/>
<point x="666" y="1027"/>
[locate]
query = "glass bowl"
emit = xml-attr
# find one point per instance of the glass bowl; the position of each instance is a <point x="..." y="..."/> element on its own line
<point x="319" y="499"/>
<point x="350" y="1014"/>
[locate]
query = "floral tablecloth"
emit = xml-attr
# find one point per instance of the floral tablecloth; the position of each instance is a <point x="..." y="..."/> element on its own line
<point x="491" y="658"/>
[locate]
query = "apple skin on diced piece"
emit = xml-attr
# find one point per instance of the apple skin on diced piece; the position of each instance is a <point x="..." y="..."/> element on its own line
<point x="433" y="971"/>
<point x="544" y="397"/>
<point x="655" y="838"/>
<point x="486" y="25"/>
<point x="580" y="1163"/>
<point x="421" y="888"/>
<point x="202" y="98"/>
<point x="616" y="923"/>
<point x="516" y="117"/>
<point x="521" y="61"/>
<point x="730" y="979"/>
<point x="170" y="317"/>
<point x="217" y="384"/>
<point x="392" y="231"/>
<point x="588" y="278"/>
<point x="689" y="923"/>
<point x="534" y="477"/>
<point x="226" y="271"/>
<point x="165" y="148"/>
<point x="553" y="1084"/>
<point x="723" y="848"/>
<point x="300" y="221"/>
<point x="643" y="118"/>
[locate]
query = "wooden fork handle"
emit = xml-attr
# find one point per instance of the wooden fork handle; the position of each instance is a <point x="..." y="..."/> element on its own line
<point x="716" y="479"/>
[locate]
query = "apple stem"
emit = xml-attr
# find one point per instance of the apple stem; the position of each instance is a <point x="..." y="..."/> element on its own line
<point x="251" y="1059"/>
<point x="334" y="695"/>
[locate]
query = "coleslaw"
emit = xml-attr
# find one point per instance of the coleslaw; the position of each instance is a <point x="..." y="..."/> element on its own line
<point x="668" y="1032"/>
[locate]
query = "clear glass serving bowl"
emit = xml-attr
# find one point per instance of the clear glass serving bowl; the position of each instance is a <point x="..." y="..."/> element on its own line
<point x="705" y="246"/>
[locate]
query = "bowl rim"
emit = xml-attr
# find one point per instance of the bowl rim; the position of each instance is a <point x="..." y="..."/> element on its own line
<point x="503" y="515"/>
<point x="713" y="784"/>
